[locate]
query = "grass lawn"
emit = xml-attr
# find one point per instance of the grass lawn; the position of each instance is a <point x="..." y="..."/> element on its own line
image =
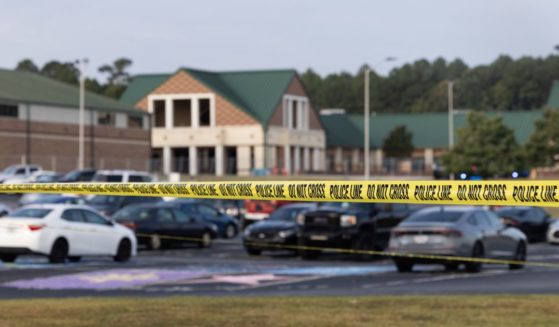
<point x="285" y="311"/>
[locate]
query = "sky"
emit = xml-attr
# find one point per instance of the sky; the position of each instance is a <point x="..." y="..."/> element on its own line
<point x="327" y="36"/>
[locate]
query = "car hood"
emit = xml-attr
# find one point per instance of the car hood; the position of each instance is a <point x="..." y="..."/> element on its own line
<point x="272" y="226"/>
<point x="412" y="225"/>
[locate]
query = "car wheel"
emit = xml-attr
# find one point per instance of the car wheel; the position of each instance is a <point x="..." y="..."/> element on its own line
<point x="155" y="242"/>
<point x="74" y="259"/>
<point x="404" y="266"/>
<point x="230" y="231"/>
<point x="206" y="240"/>
<point x="8" y="257"/>
<point x="59" y="251"/>
<point x="124" y="251"/>
<point x="475" y="266"/>
<point x="253" y="251"/>
<point x="363" y="245"/>
<point x="520" y="255"/>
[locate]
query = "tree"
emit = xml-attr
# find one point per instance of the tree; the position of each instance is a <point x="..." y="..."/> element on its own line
<point x="543" y="145"/>
<point x="117" y="73"/>
<point x="61" y="71"/>
<point x="27" y="65"/>
<point x="398" y="144"/>
<point x="485" y="147"/>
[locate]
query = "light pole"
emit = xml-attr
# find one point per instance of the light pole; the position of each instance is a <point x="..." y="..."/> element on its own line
<point x="367" y="109"/>
<point x="450" y="115"/>
<point x="81" y="158"/>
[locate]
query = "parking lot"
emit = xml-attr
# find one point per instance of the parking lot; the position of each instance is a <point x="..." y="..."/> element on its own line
<point x="225" y="269"/>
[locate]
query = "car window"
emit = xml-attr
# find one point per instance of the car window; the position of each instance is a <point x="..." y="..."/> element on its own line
<point x="440" y="216"/>
<point x="135" y="213"/>
<point x="180" y="216"/>
<point x="208" y="211"/>
<point x="20" y="171"/>
<point x="30" y="213"/>
<point x="188" y="208"/>
<point x="33" y="169"/>
<point x="286" y="214"/>
<point x="139" y="178"/>
<point x="165" y="216"/>
<point x="142" y="199"/>
<point x="73" y="215"/>
<point x="481" y="219"/>
<point x="494" y="220"/>
<point x="112" y="178"/>
<point x="93" y="218"/>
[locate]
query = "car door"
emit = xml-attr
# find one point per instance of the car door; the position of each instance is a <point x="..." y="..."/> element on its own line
<point x="489" y="235"/>
<point x="166" y="225"/>
<point x="504" y="243"/>
<point x="190" y="226"/>
<point x="104" y="237"/>
<point x="76" y="230"/>
<point x="211" y="215"/>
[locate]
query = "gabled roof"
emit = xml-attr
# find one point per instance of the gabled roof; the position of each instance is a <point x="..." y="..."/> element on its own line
<point x="429" y="130"/>
<point x="255" y="92"/>
<point x="553" y="100"/>
<point x="20" y="86"/>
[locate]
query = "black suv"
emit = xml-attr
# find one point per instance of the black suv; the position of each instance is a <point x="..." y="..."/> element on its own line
<point x="359" y="226"/>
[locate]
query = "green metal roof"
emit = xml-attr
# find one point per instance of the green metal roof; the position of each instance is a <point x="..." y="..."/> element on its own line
<point x="429" y="130"/>
<point x="553" y="100"/>
<point x="19" y="86"/>
<point x="141" y="85"/>
<point x="255" y="92"/>
<point x="341" y="131"/>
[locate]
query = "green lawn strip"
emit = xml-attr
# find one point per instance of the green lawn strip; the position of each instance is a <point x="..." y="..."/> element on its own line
<point x="534" y="310"/>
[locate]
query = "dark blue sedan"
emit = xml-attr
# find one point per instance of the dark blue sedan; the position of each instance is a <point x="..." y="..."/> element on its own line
<point x="227" y="225"/>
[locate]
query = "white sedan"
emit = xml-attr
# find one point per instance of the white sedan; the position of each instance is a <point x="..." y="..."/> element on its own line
<point x="553" y="232"/>
<point x="63" y="231"/>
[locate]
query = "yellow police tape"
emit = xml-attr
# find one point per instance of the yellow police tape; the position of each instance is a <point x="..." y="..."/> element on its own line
<point x="404" y="255"/>
<point x="518" y="192"/>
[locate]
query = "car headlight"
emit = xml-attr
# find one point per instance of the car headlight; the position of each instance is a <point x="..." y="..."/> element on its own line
<point x="246" y="232"/>
<point x="286" y="233"/>
<point x="300" y="219"/>
<point x="214" y="228"/>
<point x="348" y="220"/>
<point x="232" y="211"/>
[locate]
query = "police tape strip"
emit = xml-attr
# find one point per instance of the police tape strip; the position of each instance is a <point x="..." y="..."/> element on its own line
<point x="518" y="192"/>
<point x="405" y="255"/>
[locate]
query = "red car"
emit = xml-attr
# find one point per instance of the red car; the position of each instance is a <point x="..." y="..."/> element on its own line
<point x="257" y="210"/>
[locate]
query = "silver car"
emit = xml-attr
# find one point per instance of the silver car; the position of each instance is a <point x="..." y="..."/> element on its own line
<point x="456" y="231"/>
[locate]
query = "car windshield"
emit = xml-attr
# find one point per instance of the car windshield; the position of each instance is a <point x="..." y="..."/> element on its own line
<point x="73" y="175"/>
<point x="10" y="169"/>
<point x="439" y="216"/>
<point x="104" y="199"/>
<point x="113" y="178"/>
<point x="134" y="213"/>
<point x="285" y="214"/>
<point x="30" y="213"/>
<point x="347" y="205"/>
<point x="513" y="213"/>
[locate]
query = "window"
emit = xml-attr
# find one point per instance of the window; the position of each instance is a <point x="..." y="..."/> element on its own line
<point x="294" y="115"/>
<point x="139" y="178"/>
<point x="93" y="218"/>
<point x="20" y="171"/>
<point x="135" y="121"/>
<point x="30" y="213"/>
<point x="494" y="220"/>
<point x="73" y="215"/>
<point x="182" y="113"/>
<point x="105" y="118"/>
<point x="7" y="110"/>
<point x="208" y="212"/>
<point x="159" y="113"/>
<point x="165" y="216"/>
<point x="180" y="216"/>
<point x="204" y="112"/>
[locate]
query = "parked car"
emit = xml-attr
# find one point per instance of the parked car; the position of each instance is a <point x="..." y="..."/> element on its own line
<point x="162" y="224"/>
<point x="109" y="204"/>
<point x="122" y="176"/>
<point x="358" y="226"/>
<point x="233" y="208"/>
<point x="39" y="176"/>
<point x="228" y="226"/>
<point x="4" y="210"/>
<point x="456" y="231"/>
<point x="40" y="198"/>
<point x="553" y="233"/>
<point x="61" y="231"/>
<point x="257" y="210"/>
<point x="78" y="175"/>
<point x="278" y="232"/>
<point x="533" y="221"/>
<point x="18" y="171"/>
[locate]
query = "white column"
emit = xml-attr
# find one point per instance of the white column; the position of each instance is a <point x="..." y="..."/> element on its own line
<point x="167" y="160"/>
<point x="297" y="159"/>
<point x="429" y="159"/>
<point x="287" y="159"/>
<point x="316" y="159"/>
<point x="243" y="160"/>
<point x="306" y="159"/>
<point x="258" y="156"/>
<point x="195" y="113"/>
<point x="290" y="114"/>
<point x="193" y="161"/>
<point x="169" y="119"/>
<point x="338" y="160"/>
<point x="219" y="160"/>
<point x="379" y="158"/>
<point x="271" y="158"/>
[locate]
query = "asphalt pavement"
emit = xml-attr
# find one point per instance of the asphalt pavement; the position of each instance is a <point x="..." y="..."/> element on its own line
<point x="226" y="270"/>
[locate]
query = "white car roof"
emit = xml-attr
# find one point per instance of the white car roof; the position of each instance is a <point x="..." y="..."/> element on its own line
<point x="117" y="171"/>
<point x="59" y="206"/>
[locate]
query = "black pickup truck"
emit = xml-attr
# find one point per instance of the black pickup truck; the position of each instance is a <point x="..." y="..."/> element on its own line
<point x="358" y="226"/>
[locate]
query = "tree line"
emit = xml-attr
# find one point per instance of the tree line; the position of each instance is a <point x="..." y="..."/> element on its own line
<point x="506" y="84"/>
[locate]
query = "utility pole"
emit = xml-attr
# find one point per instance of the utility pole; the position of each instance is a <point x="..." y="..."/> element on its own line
<point x="450" y="115"/>
<point x="367" y="149"/>
<point x="81" y="149"/>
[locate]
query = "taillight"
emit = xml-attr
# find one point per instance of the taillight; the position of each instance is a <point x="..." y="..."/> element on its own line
<point x="34" y="228"/>
<point x="451" y="233"/>
<point x="130" y="225"/>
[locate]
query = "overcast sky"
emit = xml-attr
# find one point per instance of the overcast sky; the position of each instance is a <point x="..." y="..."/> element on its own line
<point x="329" y="36"/>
